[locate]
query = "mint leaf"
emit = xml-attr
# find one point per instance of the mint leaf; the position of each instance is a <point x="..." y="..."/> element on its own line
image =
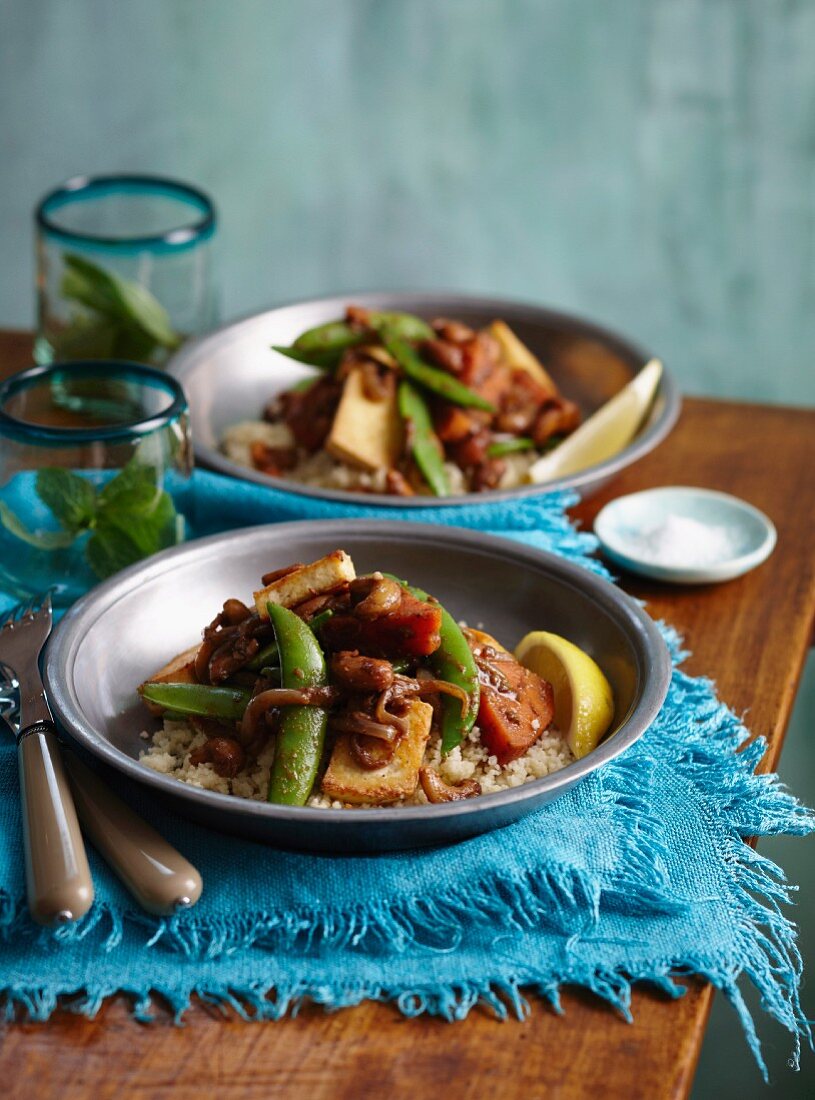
<point x="70" y="497"/>
<point x="130" y="518"/>
<point x="151" y="530"/>
<point x="133" y="343"/>
<point x="121" y="538"/>
<point x="110" y="549"/>
<point x="134" y="489"/>
<point x="134" y="519"/>
<point x="42" y="540"/>
<point x="88" y="284"/>
<point x="146" y="312"/>
<point x="121" y="299"/>
<point x="87" y="336"/>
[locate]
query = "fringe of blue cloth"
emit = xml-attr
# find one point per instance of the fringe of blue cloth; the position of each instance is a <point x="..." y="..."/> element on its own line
<point x="573" y="904"/>
<point x="713" y="753"/>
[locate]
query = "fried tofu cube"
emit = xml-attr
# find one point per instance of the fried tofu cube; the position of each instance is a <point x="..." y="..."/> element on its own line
<point x="180" y="670"/>
<point x="518" y="356"/>
<point x="346" y="781"/>
<point x="308" y="581"/>
<point x="366" y="432"/>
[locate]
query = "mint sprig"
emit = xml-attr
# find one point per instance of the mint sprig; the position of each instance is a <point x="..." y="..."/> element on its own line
<point x="71" y="498"/>
<point x="128" y="518"/>
<point x="120" y="318"/>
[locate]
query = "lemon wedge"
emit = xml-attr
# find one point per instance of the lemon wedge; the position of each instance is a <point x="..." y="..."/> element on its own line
<point x="605" y="433"/>
<point x="584" y="702"/>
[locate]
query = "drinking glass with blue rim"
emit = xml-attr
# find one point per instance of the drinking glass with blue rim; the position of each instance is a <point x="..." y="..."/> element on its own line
<point x="124" y="268"/>
<point x="95" y="468"/>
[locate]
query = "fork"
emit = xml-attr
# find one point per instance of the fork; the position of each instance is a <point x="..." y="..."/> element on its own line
<point x="58" y="878"/>
<point x="160" y="879"/>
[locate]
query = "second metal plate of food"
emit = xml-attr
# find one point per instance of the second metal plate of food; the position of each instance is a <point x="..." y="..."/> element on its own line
<point x="231" y="374"/>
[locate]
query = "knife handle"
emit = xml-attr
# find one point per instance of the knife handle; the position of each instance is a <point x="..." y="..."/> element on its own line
<point x="161" y="880"/>
<point x="60" y="888"/>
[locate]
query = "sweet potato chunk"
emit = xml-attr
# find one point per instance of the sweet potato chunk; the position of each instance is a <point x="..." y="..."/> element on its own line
<point x="516" y="706"/>
<point x="453" y="424"/>
<point x="410" y="630"/>
<point x="347" y="781"/>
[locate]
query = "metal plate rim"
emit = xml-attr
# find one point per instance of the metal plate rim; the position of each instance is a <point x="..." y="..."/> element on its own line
<point x="642" y="631"/>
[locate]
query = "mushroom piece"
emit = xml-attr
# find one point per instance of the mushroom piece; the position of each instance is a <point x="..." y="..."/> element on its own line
<point x="234" y="612"/>
<point x="437" y="790"/>
<point x="370" y="753"/>
<point x="357" y="722"/>
<point x="279" y="574"/>
<point x="224" y="753"/>
<point x="272" y="698"/>
<point x="356" y="673"/>
<point x="374" y="595"/>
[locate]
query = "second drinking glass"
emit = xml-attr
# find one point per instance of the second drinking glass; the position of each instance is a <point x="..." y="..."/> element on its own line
<point x="124" y="269"/>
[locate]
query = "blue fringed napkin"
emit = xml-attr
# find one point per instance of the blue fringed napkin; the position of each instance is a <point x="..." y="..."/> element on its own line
<point x="639" y="873"/>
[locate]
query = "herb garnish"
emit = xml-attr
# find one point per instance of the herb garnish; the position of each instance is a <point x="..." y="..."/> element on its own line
<point x="128" y="518"/>
<point x="120" y="318"/>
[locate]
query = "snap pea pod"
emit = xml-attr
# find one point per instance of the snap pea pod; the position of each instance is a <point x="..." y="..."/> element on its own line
<point x="301" y="733"/>
<point x="332" y="338"/>
<point x="338" y="335"/>
<point x="269" y="655"/>
<point x="323" y="345"/>
<point x="325" y="360"/>
<point x="453" y="661"/>
<point x="510" y="446"/>
<point x="303" y="385"/>
<point x="404" y="325"/>
<point x="201" y="700"/>
<point x="438" y="381"/>
<point x="424" y="443"/>
<point x="320" y="620"/>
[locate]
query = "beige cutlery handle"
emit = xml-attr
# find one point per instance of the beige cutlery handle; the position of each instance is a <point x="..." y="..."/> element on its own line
<point x="158" y="876"/>
<point x="60" y="888"/>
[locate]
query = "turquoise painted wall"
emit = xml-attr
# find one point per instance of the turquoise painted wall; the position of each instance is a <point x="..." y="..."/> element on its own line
<point x="648" y="162"/>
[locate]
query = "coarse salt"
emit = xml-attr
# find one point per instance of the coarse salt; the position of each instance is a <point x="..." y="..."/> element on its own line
<point x="682" y="541"/>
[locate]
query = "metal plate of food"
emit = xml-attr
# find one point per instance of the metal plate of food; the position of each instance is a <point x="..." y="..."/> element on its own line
<point x="122" y="632"/>
<point x="354" y="445"/>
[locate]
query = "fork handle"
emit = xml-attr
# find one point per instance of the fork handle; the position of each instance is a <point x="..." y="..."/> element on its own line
<point x="155" y="873"/>
<point x="59" y="882"/>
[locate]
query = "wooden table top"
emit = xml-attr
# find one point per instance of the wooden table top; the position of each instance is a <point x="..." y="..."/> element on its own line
<point x="751" y="635"/>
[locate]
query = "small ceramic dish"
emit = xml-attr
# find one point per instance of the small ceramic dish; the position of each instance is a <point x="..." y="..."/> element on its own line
<point x="685" y="535"/>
